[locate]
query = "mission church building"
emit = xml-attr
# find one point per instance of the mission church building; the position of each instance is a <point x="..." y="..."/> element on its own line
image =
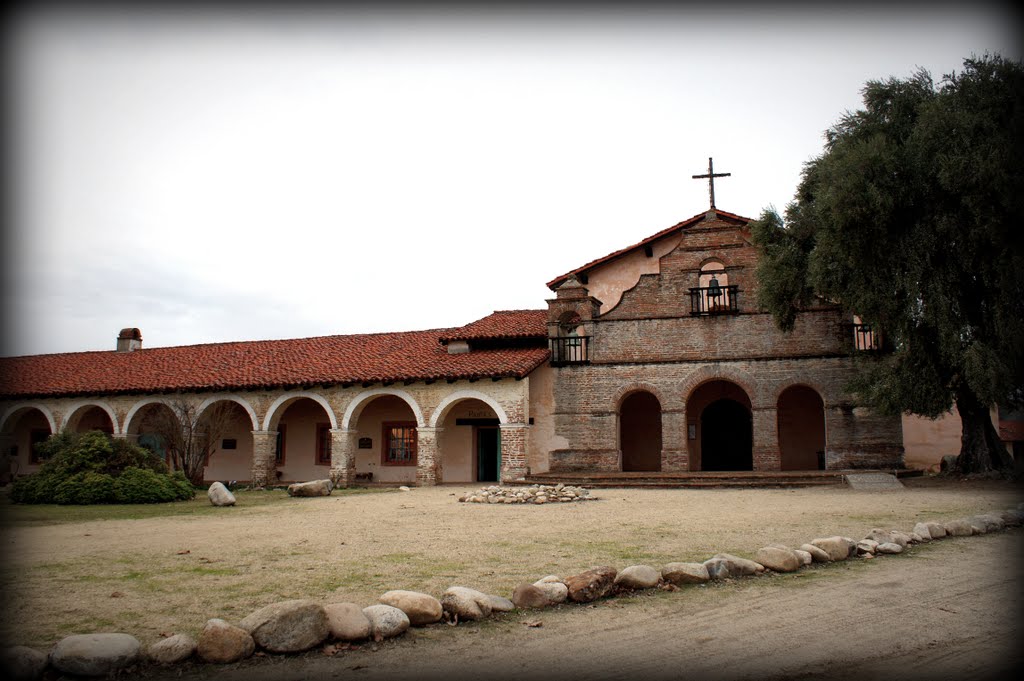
<point x="652" y="358"/>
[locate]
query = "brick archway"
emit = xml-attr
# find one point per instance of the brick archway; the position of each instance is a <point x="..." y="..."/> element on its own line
<point x="640" y="439"/>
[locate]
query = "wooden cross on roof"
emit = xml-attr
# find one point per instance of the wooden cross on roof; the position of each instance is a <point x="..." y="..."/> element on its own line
<point x="711" y="175"/>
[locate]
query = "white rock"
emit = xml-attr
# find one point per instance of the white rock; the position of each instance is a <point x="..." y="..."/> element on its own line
<point x="220" y="495"/>
<point x="421" y="608"/>
<point x="465" y="603"/>
<point x="804" y="556"/>
<point x="172" y="650"/>
<point x="890" y="547"/>
<point x="386" y="621"/>
<point x="95" y="654"/>
<point x="638" y="577"/>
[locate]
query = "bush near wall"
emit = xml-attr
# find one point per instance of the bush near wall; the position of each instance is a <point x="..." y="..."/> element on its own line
<point x="92" y="468"/>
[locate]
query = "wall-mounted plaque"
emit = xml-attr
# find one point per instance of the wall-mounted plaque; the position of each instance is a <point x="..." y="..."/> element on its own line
<point x="365" y="443"/>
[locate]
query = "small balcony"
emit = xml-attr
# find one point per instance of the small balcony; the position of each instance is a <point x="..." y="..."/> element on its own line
<point x="569" y="350"/>
<point x="865" y="338"/>
<point x="714" y="300"/>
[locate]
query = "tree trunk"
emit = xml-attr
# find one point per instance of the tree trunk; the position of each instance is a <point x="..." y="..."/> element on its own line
<point x="980" y="448"/>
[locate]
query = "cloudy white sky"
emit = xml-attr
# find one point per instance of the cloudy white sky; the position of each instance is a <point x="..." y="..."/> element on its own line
<point x="254" y="173"/>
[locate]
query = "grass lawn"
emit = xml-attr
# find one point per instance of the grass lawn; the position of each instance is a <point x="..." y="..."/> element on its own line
<point x="167" y="568"/>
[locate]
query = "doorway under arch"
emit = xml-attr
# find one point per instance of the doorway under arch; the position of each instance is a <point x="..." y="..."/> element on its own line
<point x="640" y="432"/>
<point x="719" y="427"/>
<point x="726" y="437"/>
<point x="801" y="429"/>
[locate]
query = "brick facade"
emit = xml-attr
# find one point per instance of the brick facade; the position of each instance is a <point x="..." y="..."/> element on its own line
<point x="650" y="341"/>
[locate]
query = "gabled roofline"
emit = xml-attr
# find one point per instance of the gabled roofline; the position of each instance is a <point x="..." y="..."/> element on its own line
<point x="728" y="217"/>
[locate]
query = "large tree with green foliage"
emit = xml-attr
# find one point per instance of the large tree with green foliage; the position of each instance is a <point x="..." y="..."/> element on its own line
<point x="911" y="218"/>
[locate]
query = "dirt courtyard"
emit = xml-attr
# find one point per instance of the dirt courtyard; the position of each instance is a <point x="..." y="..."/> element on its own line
<point x="169" y="574"/>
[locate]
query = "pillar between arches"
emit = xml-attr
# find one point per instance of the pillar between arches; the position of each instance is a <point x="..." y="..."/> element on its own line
<point x="428" y="455"/>
<point x="343" y="456"/>
<point x="264" y="467"/>
<point x="766" y="454"/>
<point x="513" y="451"/>
<point x="674" y="454"/>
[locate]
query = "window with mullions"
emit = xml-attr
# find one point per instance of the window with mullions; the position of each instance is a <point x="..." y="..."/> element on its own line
<point x="399" y="443"/>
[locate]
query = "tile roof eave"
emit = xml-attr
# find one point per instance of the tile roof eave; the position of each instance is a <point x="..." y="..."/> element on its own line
<point x="517" y="374"/>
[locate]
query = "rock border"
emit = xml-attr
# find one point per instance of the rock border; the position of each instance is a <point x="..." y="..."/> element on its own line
<point x="292" y="626"/>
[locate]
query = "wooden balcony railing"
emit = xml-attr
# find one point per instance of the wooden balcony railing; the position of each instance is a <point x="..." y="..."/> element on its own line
<point x="713" y="300"/>
<point x="566" y="350"/>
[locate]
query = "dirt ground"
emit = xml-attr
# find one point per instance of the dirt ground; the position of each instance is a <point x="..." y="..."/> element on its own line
<point x="170" y="574"/>
<point x="947" y="611"/>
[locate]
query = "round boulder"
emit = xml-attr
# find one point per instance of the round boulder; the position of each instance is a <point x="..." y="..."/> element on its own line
<point x="837" y="548"/>
<point x="219" y="495"/>
<point x="465" y="604"/>
<point x="958" y="528"/>
<point x="288" y="626"/>
<point x="592" y="584"/>
<point x="223" y="643"/>
<point x="531" y="596"/>
<point x="740" y="567"/>
<point x="889" y="547"/>
<point x="818" y="555"/>
<point x="778" y="559"/>
<point x="554" y="590"/>
<point x="95" y="654"/>
<point x="347" y="621"/>
<point x="386" y="621"/>
<point x="685" y="573"/>
<point x="21" y="663"/>
<point x="421" y="608"/>
<point x="172" y="650"/>
<point x="638" y="577"/>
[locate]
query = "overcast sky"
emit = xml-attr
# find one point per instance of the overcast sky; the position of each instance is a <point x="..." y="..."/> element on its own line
<point x="255" y="174"/>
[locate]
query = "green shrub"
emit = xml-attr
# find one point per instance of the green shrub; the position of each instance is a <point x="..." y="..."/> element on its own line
<point x="183" y="488"/>
<point x="143" y="486"/>
<point x="87" y="468"/>
<point x="85" y="488"/>
<point x="32" y="489"/>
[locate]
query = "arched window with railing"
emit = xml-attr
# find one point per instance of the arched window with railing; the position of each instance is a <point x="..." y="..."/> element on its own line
<point x="713" y="294"/>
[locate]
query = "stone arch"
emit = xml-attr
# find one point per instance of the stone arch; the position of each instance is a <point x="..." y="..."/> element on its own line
<point x="626" y="390"/>
<point x="355" y="407"/>
<point x="74" y="412"/>
<point x="707" y="374"/>
<point x="719" y="414"/>
<point x="244" y="404"/>
<point x="281" y="403"/>
<point x="801" y="428"/>
<point x="802" y="381"/>
<point x="139" y="406"/>
<point x="450" y="401"/>
<point x="21" y="408"/>
<point x="639" y="416"/>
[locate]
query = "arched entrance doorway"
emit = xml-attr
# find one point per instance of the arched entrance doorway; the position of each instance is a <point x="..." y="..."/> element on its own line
<point x="470" y="443"/>
<point x="302" y="450"/>
<point x="22" y="432"/>
<point x="726" y="437"/>
<point x="720" y="428"/>
<point x="801" y="429"/>
<point x="640" y="432"/>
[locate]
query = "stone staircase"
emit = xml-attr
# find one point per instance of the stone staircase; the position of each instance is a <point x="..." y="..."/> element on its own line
<point x="702" y="479"/>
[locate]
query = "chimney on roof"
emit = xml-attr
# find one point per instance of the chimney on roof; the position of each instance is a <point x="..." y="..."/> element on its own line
<point x="129" y="340"/>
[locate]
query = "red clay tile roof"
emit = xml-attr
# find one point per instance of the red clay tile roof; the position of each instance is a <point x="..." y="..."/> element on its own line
<point x="364" y="358"/>
<point x="504" y="324"/>
<point x="558" y="281"/>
